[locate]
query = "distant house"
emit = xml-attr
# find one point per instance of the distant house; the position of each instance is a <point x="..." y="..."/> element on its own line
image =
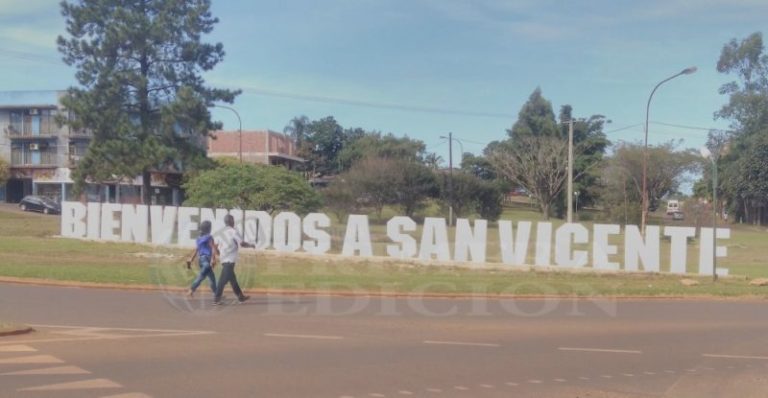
<point x="257" y="146"/>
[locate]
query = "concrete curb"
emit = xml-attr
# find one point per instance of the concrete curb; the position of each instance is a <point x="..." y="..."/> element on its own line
<point x="360" y="293"/>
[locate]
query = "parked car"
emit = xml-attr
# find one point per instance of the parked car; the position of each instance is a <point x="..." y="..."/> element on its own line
<point x="678" y="216"/>
<point x="39" y="203"/>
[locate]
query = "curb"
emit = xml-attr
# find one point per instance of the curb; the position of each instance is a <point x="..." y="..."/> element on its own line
<point x="374" y="294"/>
<point x="17" y="331"/>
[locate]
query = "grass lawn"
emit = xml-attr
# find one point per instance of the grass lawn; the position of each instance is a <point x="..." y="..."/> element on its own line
<point x="28" y="249"/>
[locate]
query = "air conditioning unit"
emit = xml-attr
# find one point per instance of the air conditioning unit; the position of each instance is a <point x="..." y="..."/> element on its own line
<point x="33" y="111"/>
<point x="34" y="147"/>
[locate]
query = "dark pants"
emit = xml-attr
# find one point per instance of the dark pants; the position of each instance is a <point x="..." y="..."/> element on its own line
<point x="228" y="276"/>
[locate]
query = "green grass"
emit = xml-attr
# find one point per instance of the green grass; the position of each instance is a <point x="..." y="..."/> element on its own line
<point x="28" y="249"/>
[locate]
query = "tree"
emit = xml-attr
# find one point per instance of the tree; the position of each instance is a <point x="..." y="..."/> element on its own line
<point x="415" y="184"/>
<point x="668" y="168"/>
<point x="536" y="163"/>
<point x="5" y="171"/>
<point x="252" y="187"/>
<point x="744" y="181"/>
<point x="433" y="161"/>
<point x="479" y="166"/>
<point x="535" y="118"/>
<point x="469" y="194"/>
<point x="141" y="92"/>
<point x="361" y="145"/>
<point x="325" y="140"/>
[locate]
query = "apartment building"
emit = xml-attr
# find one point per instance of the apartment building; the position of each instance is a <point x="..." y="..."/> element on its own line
<point x="42" y="155"/>
<point x="256" y="146"/>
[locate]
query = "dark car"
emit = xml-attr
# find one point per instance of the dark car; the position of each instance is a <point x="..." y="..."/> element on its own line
<point x="39" y="203"/>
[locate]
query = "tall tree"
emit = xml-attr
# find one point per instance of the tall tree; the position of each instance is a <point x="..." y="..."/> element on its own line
<point x="744" y="181"/>
<point x="535" y="155"/>
<point x="536" y="117"/>
<point x="139" y="65"/>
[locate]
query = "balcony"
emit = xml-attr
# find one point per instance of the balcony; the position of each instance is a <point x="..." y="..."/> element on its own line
<point x="23" y="130"/>
<point x="31" y="158"/>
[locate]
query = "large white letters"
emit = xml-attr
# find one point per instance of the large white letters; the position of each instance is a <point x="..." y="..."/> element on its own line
<point x="288" y="232"/>
<point x="358" y="236"/>
<point x="73" y="220"/>
<point x="404" y="245"/>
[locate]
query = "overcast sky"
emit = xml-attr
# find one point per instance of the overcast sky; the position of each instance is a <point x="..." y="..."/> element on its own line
<point x="424" y="68"/>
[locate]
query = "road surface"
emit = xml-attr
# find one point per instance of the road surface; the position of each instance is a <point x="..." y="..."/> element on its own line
<point x="107" y="343"/>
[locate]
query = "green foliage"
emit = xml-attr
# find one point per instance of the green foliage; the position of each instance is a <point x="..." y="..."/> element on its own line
<point x="141" y="92"/>
<point x="744" y="181"/>
<point x="252" y="187"/>
<point x="5" y="171"/>
<point x="535" y="118"/>
<point x="362" y="145"/>
<point x="375" y="182"/>
<point x="470" y="194"/>
<point x="668" y="168"/>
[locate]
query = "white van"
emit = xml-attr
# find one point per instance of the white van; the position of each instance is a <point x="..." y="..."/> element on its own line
<point x="673" y="206"/>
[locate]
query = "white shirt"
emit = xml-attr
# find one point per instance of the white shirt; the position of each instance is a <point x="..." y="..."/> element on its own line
<point x="228" y="241"/>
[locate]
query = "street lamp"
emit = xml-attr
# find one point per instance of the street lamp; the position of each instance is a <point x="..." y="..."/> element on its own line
<point x="706" y="153"/>
<point x="240" y="129"/>
<point x="644" y="217"/>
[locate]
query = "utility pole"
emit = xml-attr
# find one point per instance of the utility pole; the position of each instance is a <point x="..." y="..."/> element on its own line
<point x="450" y="179"/>
<point x="570" y="171"/>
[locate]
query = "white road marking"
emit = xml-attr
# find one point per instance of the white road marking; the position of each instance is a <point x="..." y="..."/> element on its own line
<point x="560" y="380"/>
<point x="691" y="370"/>
<point x="59" y="370"/>
<point x="583" y="378"/>
<point x="607" y="350"/>
<point x="734" y="356"/>
<point x="487" y="385"/>
<point x="460" y="343"/>
<point x="31" y="359"/>
<point x="607" y="376"/>
<point x="534" y="381"/>
<point x="376" y="395"/>
<point x="669" y="371"/>
<point x="129" y="395"/>
<point x="75" y="385"/>
<point x="17" y="348"/>
<point x="649" y="373"/>
<point x="405" y="392"/>
<point x="434" y="390"/>
<point x="511" y="384"/>
<point x="461" y="388"/>
<point x="628" y="374"/>
<point x="303" y="336"/>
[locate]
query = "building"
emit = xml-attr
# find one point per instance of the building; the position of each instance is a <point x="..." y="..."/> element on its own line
<point x="42" y="155"/>
<point x="258" y="146"/>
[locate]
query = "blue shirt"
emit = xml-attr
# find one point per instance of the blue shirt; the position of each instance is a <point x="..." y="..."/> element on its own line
<point x="204" y="245"/>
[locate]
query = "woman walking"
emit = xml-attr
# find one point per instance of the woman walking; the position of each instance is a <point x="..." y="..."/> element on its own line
<point x="206" y="251"/>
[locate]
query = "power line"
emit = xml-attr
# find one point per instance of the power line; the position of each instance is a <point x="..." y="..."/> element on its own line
<point x="370" y="104"/>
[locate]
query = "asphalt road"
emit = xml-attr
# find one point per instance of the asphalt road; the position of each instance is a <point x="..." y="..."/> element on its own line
<point x="100" y="343"/>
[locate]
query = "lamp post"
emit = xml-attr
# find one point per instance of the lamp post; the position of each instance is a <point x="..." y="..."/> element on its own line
<point x="240" y="130"/>
<point x="644" y="217"/>
<point x="706" y="153"/>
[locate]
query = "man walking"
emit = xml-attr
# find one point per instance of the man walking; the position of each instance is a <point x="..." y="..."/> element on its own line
<point x="229" y="242"/>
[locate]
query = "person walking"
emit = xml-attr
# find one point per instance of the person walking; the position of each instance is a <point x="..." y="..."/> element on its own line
<point x="229" y="244"/>
<point x="205" y="251"/>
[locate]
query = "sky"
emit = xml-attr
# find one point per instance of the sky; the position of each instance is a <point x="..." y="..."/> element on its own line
<point x="424" y="68"/>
